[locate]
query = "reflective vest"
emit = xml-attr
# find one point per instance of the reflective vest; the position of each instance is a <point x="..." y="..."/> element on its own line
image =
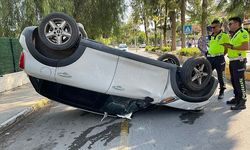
<point x="238" y="38"/>
<point x="214" y="43"/>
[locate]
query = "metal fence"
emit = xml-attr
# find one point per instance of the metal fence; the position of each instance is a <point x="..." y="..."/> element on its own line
<point x="10" y="50"/>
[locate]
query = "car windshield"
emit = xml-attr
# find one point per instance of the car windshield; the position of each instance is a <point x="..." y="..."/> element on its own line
<point x="122" y="46"/>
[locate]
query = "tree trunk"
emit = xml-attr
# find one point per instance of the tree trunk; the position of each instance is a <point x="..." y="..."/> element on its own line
<point x="183" y="11"/>
<point x="165" y="32"/>
<point x="165" y="26"/>
<point x="155" y="33"/>
<point x="173" y="27"/>
<point x="145" y="22"/>
<point x="204" y="18"/>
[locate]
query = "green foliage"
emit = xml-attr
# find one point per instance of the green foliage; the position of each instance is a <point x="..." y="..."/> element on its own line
<point x="129" y="33"/>
<point x="100" y="17"/>
<point x="105" y="41"/>
<point x="193" y="51"/>
<point x="194" y="10"/>
<point x="234" y="7"/>
<point x="153" y="49"/>
<point x="149" y="48"/>
<point x="165" y="48"/>
<point x="141" y="37"/>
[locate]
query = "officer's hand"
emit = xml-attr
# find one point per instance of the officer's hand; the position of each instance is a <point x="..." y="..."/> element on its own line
<point x="225" y="51"/>
<point x="227" y="45"/>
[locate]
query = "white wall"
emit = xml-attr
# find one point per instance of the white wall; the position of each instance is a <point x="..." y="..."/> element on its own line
<point x="13" y="80"/>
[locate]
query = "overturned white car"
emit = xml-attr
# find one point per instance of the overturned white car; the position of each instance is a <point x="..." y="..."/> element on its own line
<point x="65" y="66"/>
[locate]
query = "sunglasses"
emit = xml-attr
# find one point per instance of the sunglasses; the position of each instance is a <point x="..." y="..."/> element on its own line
<point x="213" y="27"/>
<point x="230" y="23"/>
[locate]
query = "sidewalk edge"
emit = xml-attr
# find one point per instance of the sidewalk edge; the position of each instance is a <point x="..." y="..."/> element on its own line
<point x="23" y="114"/>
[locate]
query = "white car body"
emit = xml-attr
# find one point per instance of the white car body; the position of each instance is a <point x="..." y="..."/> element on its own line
<point x="123" y="47"/>
<point x="142" y="46"/>
<point x="108" y="72"/>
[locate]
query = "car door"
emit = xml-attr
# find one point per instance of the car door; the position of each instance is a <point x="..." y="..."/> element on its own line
<point x="138" y="80"/>
<point x="94" y="70"/>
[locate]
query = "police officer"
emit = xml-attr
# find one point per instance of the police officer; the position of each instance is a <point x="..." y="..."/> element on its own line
<point x="237" y="56"/>
<point x="216" y="51"/>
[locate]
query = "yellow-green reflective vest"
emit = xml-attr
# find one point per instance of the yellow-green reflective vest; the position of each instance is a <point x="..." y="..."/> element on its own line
<point x="238" y="38"/>
<point x="214" y="44"/>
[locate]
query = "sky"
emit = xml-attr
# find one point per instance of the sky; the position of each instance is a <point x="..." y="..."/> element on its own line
<point x="128" y="10"/>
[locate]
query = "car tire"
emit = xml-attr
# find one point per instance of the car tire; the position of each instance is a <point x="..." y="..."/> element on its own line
<point x="58" y="31"/>
<point x="169" y="58"/>
<point x="50" y="53"/>
<point x="196" y="73"/>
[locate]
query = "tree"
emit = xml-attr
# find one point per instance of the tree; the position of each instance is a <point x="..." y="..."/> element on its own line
<point x="165" y="26"/>
<point x="100" y="17"/>
<point x="9" y="17"/>
<point x="154" y="13"/>
<point x="141" y="14"/>
<point x="207" y="14"/>
<point x="204" y="18"/>
<point x="183" y="13"/>
<point x="172" y="15"/>
<point x="173" y="6"/>
<point x="235" y="7"/>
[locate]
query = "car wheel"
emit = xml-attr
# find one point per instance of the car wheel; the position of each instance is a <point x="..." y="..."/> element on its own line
<point x="196" y="73"/>
<point x="58" y="31"/>
<point x="50" y="53"/>
<point x="169" y="58"/>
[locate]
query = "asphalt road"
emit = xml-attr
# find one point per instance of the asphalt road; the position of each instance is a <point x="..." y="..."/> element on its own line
<point x="59" y="127"/>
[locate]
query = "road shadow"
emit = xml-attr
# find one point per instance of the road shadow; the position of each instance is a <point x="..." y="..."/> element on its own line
<point x="211" y="128"/>
<point x="156" y="127"/>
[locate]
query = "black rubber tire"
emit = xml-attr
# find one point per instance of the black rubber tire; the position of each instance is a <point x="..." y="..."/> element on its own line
<point x="73" y="40"/>
<point x="188" y="72"/>
<point x="169" y="58"/>
<point x="48" y="52"/>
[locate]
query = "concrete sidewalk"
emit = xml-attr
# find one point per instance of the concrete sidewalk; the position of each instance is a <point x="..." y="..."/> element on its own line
<point x="17" y="104"/>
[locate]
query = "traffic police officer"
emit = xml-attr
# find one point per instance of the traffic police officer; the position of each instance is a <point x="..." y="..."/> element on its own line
<point x="237" y="56"/>
<point x="216" y="51"/>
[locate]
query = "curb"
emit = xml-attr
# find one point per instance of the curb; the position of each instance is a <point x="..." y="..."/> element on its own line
<point x="23" y="114"/>
<point x="227" y="73"/>
<point x="13" y="80"/>
<point x="248" y="87"/>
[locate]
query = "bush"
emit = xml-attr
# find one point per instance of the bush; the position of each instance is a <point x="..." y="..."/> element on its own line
<point x="165" y="49"/>
<point x="193" y="51"/>
<point x="153" y="49"/>
<point x="149" y="48"/>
